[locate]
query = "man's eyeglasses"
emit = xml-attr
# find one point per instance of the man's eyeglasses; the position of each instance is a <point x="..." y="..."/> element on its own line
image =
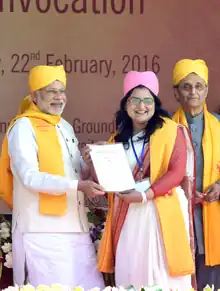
<point x="189" y="88"/>
<point x="55" y="92"/>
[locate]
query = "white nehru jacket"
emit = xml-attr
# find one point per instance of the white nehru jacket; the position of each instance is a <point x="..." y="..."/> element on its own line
<point x="28" y="181"/>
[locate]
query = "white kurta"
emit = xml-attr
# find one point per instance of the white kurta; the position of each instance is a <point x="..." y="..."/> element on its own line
<point x="54" y="249"/>
<point x="140" y="255"/>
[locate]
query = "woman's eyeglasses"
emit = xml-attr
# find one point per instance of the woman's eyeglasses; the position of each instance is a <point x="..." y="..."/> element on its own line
<point x="137" y="101"/>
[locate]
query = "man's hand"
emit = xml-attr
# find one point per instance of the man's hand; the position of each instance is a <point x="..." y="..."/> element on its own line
<point x="213" y="193"/>
<point x="91" y="189"/>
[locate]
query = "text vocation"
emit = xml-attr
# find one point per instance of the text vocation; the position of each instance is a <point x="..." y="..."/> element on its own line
<point x="93" y="127"/>
<point x="75" y="6"/>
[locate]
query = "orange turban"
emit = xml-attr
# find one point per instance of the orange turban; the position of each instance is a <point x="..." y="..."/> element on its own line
<point x="186" y="66"/>
<point x="40" y="77"/>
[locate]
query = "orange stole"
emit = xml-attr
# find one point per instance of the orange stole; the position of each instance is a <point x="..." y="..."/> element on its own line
<point x="50" y="160"/>
<point x="211" y="174"/>
<point x="174" y="234"/>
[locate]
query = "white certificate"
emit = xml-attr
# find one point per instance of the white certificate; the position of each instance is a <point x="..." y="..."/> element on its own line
<point x="112" y="167"/>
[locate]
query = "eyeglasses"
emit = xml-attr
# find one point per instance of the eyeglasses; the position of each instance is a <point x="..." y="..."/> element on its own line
<point x="54" y="92"/>
<point x="137" y="101"/>
<point x="189" y="88"/>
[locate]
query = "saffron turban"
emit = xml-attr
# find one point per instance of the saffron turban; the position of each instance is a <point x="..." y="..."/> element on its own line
<point x="40" y="77"/>
<point x="186" y="66"/>
<point x="147" y="79"/>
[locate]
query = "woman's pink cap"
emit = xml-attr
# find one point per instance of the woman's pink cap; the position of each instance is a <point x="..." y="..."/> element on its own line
<point x="147" y="79"/>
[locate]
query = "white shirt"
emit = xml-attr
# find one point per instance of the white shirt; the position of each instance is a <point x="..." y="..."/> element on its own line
<point x="29" y="181"/>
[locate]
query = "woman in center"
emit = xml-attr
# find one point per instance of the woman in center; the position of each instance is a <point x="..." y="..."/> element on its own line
<point x="146" y="240"/>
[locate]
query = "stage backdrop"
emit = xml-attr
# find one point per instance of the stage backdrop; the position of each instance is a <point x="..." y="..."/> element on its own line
<point x="98" y="41"/>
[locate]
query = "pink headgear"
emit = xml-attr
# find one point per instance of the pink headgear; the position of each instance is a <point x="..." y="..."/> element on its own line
<point x="147" y="79"/>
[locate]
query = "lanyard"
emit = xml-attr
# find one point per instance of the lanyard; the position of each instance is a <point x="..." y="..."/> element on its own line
<point x="139" y="162"/>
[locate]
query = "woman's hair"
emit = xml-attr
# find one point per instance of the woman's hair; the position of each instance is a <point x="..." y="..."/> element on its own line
<point x="124" y="124"/>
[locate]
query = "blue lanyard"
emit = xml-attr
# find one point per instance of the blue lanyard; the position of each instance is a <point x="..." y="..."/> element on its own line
<point x="139" y="162"/>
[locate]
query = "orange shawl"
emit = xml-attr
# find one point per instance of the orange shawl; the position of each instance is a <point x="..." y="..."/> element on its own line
<point x="211" y="211"/>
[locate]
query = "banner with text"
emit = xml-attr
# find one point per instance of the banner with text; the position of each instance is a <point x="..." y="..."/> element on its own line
<point x="98" y="41"/>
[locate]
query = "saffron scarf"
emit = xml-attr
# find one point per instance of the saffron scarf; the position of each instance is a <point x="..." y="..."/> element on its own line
<point x="43" y="124"/>
<point x="211" y="174"/>
<point x="49" y="156"/>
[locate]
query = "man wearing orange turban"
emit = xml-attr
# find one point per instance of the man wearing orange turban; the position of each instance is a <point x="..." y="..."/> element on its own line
<point x="40" y="173"/>
<point x="190" y="80"/>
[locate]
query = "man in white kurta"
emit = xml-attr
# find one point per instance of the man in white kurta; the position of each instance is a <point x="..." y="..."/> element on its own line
<point x="50" y="248"/>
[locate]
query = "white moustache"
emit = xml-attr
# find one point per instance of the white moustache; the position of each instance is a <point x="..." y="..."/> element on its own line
<point x="57" y="103"/>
